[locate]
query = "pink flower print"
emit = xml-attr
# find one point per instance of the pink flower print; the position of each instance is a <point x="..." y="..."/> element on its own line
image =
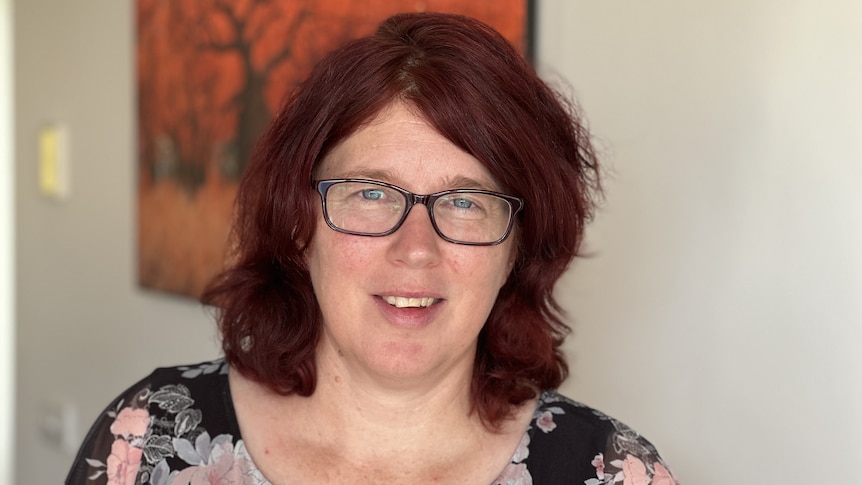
<point x="634" y="471"/>
<point x="545" y="422"/>
<point x="662" y="476"/>
<point x="514" y="474"/>
<point x="226" y="464"/>
<point x="131" y="422"/>
<point x="523" y="450"/>
<point x="599" y="463"/>
<point x="123" y="463"/>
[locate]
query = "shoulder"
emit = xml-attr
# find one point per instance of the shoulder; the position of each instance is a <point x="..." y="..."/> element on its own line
<point x="169" y="419"/>
<point x="175" y="393"/>
<point x="569" y="439"/>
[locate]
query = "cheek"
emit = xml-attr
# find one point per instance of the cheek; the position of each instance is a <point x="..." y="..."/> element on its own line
<point x="488" y="272"/>
<point x="351" y="252"/>
<point x="335" y="255"/>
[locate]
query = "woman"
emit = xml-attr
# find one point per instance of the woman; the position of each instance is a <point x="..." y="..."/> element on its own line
<point x="369" y="339"/>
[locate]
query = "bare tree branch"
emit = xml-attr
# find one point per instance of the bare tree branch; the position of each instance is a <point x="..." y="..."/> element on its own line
<point x="293" y="31"/>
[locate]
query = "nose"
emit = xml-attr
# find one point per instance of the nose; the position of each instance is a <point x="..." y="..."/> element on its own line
<point x="416" y="243"/>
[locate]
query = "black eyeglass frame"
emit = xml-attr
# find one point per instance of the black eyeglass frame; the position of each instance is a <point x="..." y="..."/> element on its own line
<point x="412" y="199"/>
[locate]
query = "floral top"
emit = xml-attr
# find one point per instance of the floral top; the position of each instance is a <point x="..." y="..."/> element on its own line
<point x="178" y="426"/>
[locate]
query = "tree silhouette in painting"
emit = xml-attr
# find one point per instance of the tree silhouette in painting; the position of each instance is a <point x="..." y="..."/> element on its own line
<point x="211" y="74"/>
<point x="204" y="68"/>
<point x="247" y="28"/>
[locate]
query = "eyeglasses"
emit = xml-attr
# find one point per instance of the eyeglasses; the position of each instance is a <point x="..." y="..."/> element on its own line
<point x="460" y="216"/>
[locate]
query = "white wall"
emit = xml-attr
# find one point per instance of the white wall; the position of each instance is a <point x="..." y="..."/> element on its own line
<point x="721" y="312"/>
<point x="719" y="315"/>
<point x="7" y="331"/>
<point x="85" y="331"/>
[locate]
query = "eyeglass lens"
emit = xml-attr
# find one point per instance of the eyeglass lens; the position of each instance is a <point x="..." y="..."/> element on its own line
<point x="461" y="215"/>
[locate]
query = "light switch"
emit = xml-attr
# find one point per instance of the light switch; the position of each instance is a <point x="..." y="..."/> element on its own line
<point x="54" y="161"/>
<point x="59" y="424"/>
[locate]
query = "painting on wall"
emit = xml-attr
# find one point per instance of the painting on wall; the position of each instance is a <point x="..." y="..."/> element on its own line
<point x="210" y="74"/>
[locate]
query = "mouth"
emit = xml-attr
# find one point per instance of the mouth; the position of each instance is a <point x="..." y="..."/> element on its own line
<point x="405" y="302"/>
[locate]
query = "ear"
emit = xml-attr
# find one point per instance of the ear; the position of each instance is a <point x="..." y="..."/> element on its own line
<point x="515" y="249"/>
<point x="510" y="263"/>
<point x="306" y="248"/>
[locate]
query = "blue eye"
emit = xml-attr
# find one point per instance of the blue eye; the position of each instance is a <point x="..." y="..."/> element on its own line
<point x="372" y="194"/>
<point x="462" y="203"/>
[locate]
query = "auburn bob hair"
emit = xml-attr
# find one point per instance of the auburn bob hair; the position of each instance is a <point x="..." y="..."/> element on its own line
<point x="474" y="88"/>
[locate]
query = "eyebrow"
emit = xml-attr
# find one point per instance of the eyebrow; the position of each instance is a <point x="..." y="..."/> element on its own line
<point x="458" y="182"/>
<point x="372" y="174"/>
<point x="461" y="182"/>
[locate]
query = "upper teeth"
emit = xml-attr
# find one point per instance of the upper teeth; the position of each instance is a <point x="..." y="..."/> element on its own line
<point x="401" y="302"/>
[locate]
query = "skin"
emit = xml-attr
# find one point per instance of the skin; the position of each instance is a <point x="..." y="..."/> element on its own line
<point x="372" y="341"/>
<point x="392" y="404"/>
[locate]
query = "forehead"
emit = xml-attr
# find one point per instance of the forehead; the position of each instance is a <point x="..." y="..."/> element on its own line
<point x="400" y="147"/>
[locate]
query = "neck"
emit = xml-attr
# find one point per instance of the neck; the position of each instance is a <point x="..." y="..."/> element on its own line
<point x="384" y="401"/>
<point x="400" y="434"/>
<point x="360" y="405"/>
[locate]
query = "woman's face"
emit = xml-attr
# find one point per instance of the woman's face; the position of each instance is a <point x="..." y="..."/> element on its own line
<point x="408" y="306"/>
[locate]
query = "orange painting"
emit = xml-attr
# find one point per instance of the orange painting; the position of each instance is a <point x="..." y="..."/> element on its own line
<point x="211" y="73"/>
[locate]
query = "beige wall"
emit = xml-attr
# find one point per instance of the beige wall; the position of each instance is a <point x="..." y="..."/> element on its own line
<point x="85" y="331"/>
<point x="720" y="313"/>
<point x="7" y="336"/>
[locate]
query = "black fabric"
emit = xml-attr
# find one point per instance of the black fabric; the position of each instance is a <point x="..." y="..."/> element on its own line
<point x="180" y="421"/>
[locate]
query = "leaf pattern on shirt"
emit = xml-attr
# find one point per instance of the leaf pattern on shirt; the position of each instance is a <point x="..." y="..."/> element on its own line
<point x="156" y="435"/>
<point x="143" y="442"/>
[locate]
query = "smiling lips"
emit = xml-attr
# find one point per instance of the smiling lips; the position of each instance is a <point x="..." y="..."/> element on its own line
<point x="403" y="302"/>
